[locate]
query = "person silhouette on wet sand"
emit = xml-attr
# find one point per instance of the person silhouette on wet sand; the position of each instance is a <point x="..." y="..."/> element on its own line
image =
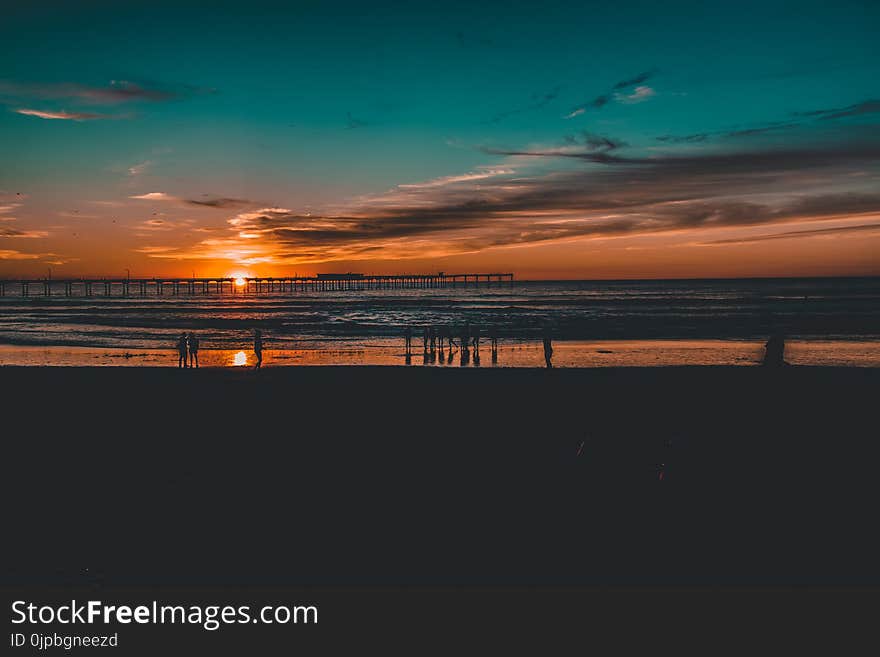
<point x="181" y="351"/>
<point x="258" y="348"/>
<point x="774" y="351"/>
<point x="548" y="348"/>
<point x="408" y="338"/>
<point x="193" y="343"/>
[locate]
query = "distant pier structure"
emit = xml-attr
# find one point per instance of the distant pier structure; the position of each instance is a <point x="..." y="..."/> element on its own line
<point x="127" y="287"/>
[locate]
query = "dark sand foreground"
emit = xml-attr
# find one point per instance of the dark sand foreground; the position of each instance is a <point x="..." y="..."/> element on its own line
<point x="429" y="476"/>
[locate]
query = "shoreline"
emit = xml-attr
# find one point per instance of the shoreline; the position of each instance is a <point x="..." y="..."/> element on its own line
<point x="568" y="354"/>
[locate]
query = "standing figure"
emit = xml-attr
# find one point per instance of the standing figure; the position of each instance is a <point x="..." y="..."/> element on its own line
<point x="548" y="348"/>
<point x="774" y="351"/>
<point x="408" y="338"/>
<point x="258" y="348"/>
<point x="493" y="336"/>
<point x="193" y="343"/>
<point x="425" y="339"/>
<point x="181" y="351"/>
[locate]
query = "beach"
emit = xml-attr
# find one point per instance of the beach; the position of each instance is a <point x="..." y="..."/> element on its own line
<point x="441" y="476"/>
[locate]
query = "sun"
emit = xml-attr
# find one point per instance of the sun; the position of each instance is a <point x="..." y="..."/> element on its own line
<point x="239" y="278"/>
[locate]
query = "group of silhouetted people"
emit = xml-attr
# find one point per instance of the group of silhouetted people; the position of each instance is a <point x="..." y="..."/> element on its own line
<point x="188" y="350"/>
<point x="441" y="343"/>
<point x="188" y="345"/>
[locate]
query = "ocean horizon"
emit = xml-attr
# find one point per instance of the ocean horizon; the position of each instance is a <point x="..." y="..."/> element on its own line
<point x="827" y="321"/>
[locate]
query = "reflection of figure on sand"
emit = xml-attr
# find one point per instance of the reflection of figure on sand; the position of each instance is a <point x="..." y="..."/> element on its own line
<point x="548" y="348"/>
<point x="193" y="343"/>
<point x="181" y="351"/>
<point x="258" y="348"/>
<point x="774" y="351"/>
<point x="475" y="341"/>
<point x="463" y="344"/>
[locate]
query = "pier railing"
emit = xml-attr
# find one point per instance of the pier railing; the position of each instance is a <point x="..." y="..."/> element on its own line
<point x="125" y="287"/>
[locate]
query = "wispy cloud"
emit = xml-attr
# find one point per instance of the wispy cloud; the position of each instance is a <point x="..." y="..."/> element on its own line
<point x="69" y="116"/>
<point x="219" y="202"/>
<point x="118" y="91"/>
<point x="139" y="169"/>
<point x="640" y="93"/>
<point x="864" y="107"/>
<point x="794" y="234"/>
<point x="155" y="196"/>
<point x="8" y="231"/>
<point x="12" y="254"/>
<point x="538" y="101"/>
<point x="206" y="201"/>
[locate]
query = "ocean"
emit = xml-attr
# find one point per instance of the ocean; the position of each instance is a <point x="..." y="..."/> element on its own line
<point x="593" y="323"/>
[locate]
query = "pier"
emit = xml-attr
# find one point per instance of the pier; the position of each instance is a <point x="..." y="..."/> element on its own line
<point x="143" y="287"/>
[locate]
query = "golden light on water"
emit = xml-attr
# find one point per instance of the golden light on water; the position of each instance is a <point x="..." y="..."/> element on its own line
<point x="239" y="359"/>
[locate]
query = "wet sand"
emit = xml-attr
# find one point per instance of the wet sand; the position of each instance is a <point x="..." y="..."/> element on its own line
<point x="391" y="475"/>
<point x="511" y="353"/>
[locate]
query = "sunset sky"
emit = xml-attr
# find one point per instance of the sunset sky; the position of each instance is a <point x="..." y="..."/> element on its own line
<point x="552" y="139"/>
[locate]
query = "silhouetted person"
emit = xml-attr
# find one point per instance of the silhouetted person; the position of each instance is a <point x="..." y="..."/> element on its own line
<point x="475" y="341"/>
<point x="432" y="337"/>
<point x="408" y="337"/>
<point x="258" y="348"/>
<point x="181" y="351"/>
<point x="548" y="348"/>
<point x="425" y="339"/>
<point x="193" y="343"/>
<point x="774" y="351"/>
<point x="493" y="337"/>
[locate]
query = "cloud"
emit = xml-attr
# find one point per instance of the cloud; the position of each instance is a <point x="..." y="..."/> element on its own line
<point x="606" y="195"/>
<point x="865" y="107"/>
<point x="155" y="196"/>
<point x="641" y="77"/>
<point x="686" y="139"/>
<point x="639" y="94"/>
<point x="68" y="116"/>
<point x="6" y="231"/>
<point x="139" y="169"/>
<point x="816" y="232"/>
<point x="11" y="254"/>
<point x="538" y="101"/>
<point x="220" y="202"/>
<point x="118" y="91"/>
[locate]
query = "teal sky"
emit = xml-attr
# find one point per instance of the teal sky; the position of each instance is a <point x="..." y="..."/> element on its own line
<point x="298" y="123"/>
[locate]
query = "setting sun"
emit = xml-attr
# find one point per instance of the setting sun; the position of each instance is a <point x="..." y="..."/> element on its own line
<point x="239" y="278"/>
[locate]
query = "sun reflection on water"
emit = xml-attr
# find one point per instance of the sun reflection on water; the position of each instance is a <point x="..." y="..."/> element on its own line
<point x="239" y="359"/>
